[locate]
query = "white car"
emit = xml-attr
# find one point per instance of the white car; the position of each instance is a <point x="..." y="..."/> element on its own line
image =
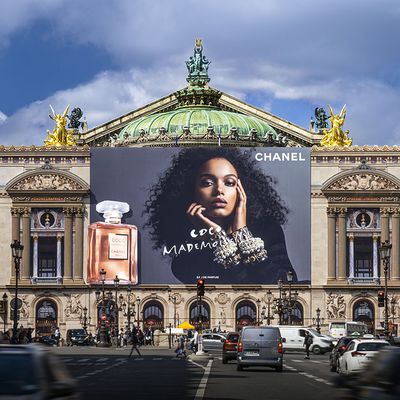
<point x="358" y="354"/>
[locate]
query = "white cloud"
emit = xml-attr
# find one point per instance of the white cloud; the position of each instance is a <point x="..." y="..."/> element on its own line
<point x="107" y="96"/>
<point x="277" y="49"/>
<point x="3" y="117"/>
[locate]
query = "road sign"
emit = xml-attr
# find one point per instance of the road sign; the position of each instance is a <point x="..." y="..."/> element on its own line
<point x="19" y="303"/>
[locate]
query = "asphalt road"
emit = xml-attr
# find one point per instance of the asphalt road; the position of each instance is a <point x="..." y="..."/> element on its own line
<point x="158" y="374"/>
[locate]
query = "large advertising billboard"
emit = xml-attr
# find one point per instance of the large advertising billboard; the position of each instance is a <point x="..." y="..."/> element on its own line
<point x="229" y="215"/>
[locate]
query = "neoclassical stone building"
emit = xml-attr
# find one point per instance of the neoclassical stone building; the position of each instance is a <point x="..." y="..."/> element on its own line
<point x="45" y="199"/>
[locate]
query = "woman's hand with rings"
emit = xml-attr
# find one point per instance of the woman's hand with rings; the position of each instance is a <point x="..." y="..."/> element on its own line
<point x="240" y="218"/>
<point x="196" y="216"/>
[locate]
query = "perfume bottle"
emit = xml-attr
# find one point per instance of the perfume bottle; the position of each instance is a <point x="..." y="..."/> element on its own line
<point x="112" y="245"/>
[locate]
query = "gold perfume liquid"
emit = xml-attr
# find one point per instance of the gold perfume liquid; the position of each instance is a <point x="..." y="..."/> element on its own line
<point x="114" y="248"/>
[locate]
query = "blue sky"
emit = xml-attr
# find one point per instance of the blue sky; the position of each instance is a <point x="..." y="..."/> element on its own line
<point x="110" y="57"/>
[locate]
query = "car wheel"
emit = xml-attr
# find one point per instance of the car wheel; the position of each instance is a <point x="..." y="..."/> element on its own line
<point x="338" y="369"/>
<point x="279" y="368"/>
<point x="224" y="360"/>
<point x="333" y="367"/>
<point x="316" y="350"/>
<point x="239" y="367"/>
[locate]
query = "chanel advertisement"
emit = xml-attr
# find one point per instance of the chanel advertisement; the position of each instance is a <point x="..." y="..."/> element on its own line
<point x="229" y="215"/>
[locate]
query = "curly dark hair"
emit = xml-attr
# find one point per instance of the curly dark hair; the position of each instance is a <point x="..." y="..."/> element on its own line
<point x="172" y="195"/>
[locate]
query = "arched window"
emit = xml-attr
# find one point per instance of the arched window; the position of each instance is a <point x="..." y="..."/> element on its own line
<point x="46" y="317"/>
<point x="199" y="314"/>
<point x="363" y="311"/>
<point x="297" y="315"/>
<point x="246" y="314"/>
<point x="153" y="315"/>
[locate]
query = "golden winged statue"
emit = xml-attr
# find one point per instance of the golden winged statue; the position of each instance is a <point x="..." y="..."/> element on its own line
<point x="61" y="136"/>
<point x="335" y="136"/>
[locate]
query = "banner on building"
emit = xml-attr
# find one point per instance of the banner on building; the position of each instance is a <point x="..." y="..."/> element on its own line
<point x="229" y="215"/>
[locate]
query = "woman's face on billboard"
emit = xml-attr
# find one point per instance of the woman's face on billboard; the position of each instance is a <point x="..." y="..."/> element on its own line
<point x="216" y="188"/>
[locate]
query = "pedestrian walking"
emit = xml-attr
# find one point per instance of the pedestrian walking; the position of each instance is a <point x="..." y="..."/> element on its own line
<point x="135" y="343"/>
<point x="57" y="336"/>
<point x="308" y="341"/>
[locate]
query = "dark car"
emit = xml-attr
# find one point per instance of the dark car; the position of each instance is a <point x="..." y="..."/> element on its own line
<point x="33" y="372"/>
<point x="260" y="346"/>
<point x="380" y="381"/>
<point x="338" y="350"/>
<point x="229" y="348"/>
<point x="77" y="337"/>
<point x="46" y="340"/>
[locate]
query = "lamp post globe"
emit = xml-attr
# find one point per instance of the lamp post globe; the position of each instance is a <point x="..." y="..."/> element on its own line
<point x="17" y="249"/>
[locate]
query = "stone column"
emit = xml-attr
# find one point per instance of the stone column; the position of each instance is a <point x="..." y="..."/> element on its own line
<point x="15" y="232"/>
<point x="68" y="212"/>
<point x="351" y="255"/>
<point x="35" y="256"/>
<point x="384" y="224"/>
<point x="375" y="256"/>
<point x="395" y="257"/>
<point x="26" y="242"/>
<point x="331" y="243"/>
<point x="342" y="244"/>
<point x="78" y="261"/>
<point x="59" y="253"/>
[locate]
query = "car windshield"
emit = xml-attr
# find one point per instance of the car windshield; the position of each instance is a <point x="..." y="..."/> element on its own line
<point x="17" y="374"/>
<point x="315" y="333"/>
<point x="233" y="337"/>
<point x="371" y="346"/>
<point x="76" y="332"/>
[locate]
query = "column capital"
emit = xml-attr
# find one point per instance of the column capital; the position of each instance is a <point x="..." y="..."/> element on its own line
<point x="396" y="212"/>
<point x="80" y="211"/>
<point x="331" y="211"/>
<point x="26" y="212"/>
<point x="351" y="236"/>
<point x="15" y="211"/>
<point x="375" y="237"/>
<point x="59" y="236"/>
<point x="342" y="212"/>
<point x="385" y="211"/>
<point x="35" y="236"/>
<point x="68" y="212"/>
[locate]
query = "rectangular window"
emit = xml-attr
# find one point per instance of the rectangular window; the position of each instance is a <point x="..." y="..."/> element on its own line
<point x="47" y="257"/>
<point x="363" y="257"/>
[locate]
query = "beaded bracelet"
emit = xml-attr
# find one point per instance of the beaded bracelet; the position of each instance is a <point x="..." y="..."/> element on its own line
<point x="226" y="250"/>
<point x="251" y="248"/>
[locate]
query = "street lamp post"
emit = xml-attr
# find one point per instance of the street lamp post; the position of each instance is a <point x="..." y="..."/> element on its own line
<point x="174" y="299"/>
<point x="83" y="318"/>
<point x="103" y="340"/>
<point x="138" y="311"/>
<point x="317" y="321"/>
<point x="279" y="301"/>
<point x="258" y="312"/>
<point x="289" y="277"/>
<point x="384" y="252"/>
<point x="5" y="297"/>
<point x="116" y="285"/>
<point x="269" y="317"/>
<point x="128" y="307"/>
<point x="17" y="249"/>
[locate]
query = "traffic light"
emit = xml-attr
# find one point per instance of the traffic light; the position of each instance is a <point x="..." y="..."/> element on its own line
<point x="200" y="287"/>
<point x="381" y="298"/>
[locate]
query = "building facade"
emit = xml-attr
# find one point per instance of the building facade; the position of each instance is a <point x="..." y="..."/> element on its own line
<point x="45" y="203"/>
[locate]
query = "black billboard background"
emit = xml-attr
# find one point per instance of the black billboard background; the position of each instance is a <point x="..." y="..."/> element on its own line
<point x="127" y="174"/>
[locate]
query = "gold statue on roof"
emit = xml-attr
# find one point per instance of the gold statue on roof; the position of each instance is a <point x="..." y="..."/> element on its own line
<point x="335" y="136"/>
<point x="61" y="136"/>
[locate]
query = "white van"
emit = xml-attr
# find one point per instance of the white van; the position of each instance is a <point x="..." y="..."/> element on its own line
<point x="294" y="336"/>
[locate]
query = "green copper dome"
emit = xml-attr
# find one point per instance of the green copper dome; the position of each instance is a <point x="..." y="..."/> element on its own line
<point x="197" y="122"/>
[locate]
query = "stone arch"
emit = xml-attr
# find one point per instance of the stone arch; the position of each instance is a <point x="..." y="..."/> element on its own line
<point x="46" y="180"/>
<point x="364" y="310"/>
<point x="206" y="314"/>
<point x="361" y="179"/>
<point x="245" y="313"/>
<point x="46" y="316"/>
<point x="153" y="314"/>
